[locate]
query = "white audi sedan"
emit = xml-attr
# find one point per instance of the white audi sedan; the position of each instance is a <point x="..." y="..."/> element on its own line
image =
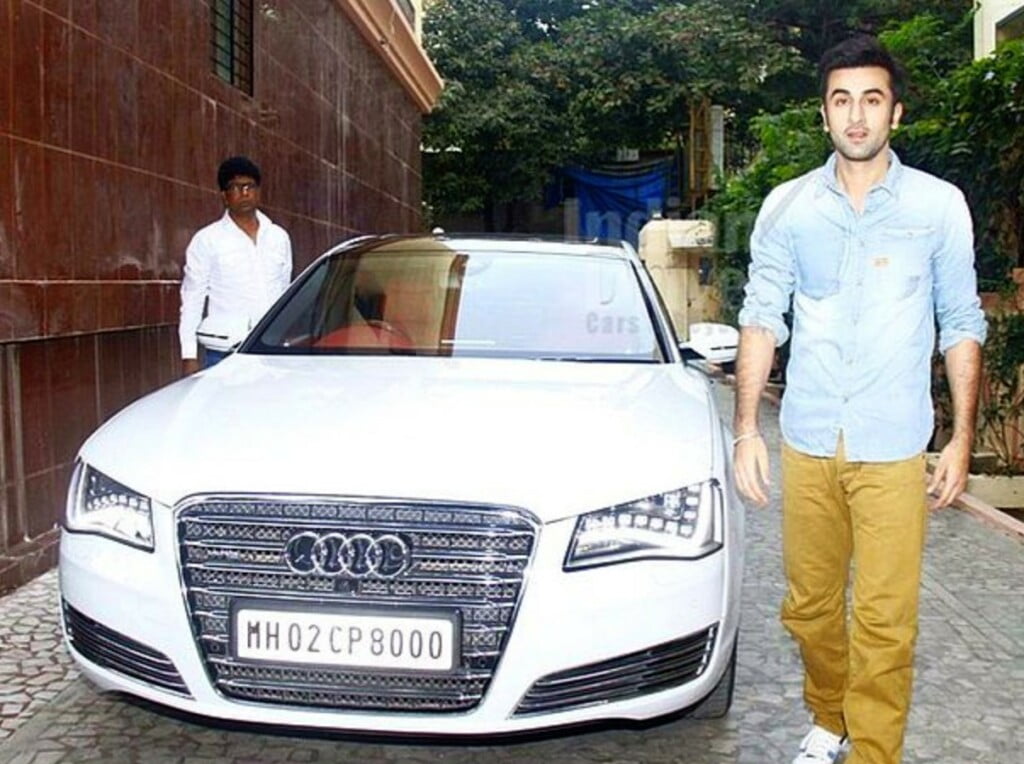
<point x="446" y="486"/>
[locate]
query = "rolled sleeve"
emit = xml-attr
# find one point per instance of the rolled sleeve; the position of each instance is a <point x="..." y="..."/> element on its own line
<point x="771" y="274"/>
<point x="957" y="305"/>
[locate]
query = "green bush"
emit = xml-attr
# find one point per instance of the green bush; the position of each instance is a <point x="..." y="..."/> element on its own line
<point x="791" y="143"/>
<point x="974" y="137"/>
<point x="964" y="122"/>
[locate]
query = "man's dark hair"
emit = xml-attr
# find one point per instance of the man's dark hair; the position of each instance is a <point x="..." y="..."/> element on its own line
<point x="859" y="51"/>
<point x="234" y="167"/>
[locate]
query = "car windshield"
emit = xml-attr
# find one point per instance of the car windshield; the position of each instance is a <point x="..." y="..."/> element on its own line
<point x="413" y="297"/>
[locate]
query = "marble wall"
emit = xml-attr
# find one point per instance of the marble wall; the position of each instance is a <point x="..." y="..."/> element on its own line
<point x="112" y="125"/>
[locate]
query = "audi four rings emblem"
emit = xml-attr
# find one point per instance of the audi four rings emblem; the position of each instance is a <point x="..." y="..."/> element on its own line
<point x="359" y="555"/>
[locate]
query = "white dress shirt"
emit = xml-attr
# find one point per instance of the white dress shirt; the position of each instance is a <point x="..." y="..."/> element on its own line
<point x="240" y="277"/>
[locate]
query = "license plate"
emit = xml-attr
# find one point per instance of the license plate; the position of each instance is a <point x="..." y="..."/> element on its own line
<point x="411" y="641"/>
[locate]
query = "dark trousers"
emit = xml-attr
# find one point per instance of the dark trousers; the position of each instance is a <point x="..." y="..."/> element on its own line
<point x="211" y="357"/>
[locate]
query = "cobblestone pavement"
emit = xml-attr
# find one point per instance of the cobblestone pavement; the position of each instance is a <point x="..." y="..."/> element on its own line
<point x="968" y="705"/>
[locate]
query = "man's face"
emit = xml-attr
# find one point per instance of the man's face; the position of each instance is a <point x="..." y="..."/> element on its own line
<point x="242" y="196"/>
<point x="860" y="112"/>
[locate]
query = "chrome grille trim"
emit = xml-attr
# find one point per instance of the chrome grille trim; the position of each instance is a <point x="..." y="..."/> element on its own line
<point x="469" y="558"/>
<point x="336" y="699"/>
<point x="115" y="651"/>
<point x="654" y="669"/>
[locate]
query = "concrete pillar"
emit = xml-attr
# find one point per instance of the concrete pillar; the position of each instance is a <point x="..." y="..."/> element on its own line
<point x="679" y="255"/>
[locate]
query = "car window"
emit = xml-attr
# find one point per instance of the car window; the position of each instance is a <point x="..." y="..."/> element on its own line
<point x="488" y="304"/>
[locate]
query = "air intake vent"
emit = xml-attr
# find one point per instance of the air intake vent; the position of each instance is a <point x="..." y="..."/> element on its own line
<point x="627" y="676"/>
<point x="113" y="650"/>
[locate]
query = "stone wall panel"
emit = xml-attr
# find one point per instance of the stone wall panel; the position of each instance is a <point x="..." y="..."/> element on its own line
<point x="109" y="144"/>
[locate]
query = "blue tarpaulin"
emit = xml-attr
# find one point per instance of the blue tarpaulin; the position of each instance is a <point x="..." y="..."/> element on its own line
<point x="616" y="205"/>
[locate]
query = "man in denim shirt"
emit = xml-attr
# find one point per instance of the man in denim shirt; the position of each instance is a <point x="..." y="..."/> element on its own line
<point x="872" y="254"/>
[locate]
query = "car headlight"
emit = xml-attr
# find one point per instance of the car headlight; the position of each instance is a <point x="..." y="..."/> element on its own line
<point x="98" y="504"/>
<point x="685" y="524"/>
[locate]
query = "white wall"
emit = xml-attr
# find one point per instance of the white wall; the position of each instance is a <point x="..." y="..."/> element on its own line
<point x="988" y="16"/>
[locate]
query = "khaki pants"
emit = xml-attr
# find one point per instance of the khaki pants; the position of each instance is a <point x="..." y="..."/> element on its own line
<point x="857" y="680"/>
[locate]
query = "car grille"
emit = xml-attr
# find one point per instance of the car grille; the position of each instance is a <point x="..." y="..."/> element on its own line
<point x="469" y="560"/>
<point x="113" y="650"/>
<point x="627" y="676"/>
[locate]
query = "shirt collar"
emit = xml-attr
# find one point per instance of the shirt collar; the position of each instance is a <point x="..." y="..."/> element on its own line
<point x="226" y="220"/>
<point x="890" y="183"/>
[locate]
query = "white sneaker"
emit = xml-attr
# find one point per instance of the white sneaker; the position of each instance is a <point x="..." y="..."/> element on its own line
<point x="820" y="746"/>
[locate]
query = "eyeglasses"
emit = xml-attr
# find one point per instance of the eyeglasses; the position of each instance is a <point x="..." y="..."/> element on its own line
<point x="241" y="188"/>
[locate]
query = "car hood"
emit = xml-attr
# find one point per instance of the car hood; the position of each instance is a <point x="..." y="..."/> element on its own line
<point x="556" y="438"/>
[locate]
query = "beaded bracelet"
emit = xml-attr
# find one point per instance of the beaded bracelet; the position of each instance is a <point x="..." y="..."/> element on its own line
<point x="746" y="436"/>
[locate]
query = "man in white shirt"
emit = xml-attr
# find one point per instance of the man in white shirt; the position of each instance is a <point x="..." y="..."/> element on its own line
<point x="240" y="264"/>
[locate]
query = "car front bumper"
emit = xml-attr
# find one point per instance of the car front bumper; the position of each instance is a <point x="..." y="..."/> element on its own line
<point x="563" y="621"/>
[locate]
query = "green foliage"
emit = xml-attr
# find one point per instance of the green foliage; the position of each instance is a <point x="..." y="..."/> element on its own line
<point x="929" y="49"/>
<point x="535" y="84"/>
<point x="813" y="26"/>
<point x="967" y="125"/>
<point x="629" y="78"/>
<point x="488" y="141"/>
<point x="1001" y="401"/>
<point x="964" y="123"/>
<point x="792" y="143"/>
<point x="974" y="137"/>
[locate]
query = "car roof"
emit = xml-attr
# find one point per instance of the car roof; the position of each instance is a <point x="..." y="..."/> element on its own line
<point x="489" y="243"/>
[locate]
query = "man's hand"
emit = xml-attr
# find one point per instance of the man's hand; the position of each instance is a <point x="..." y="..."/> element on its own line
<point x="950" y="476"/>
<point x="750" y="464"/>
<point x="189" y="366"/>
<point x="963" y="370"/>
<point x="750" y="454"/>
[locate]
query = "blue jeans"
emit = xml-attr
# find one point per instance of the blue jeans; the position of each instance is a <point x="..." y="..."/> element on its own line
<point x="211" y="357"/>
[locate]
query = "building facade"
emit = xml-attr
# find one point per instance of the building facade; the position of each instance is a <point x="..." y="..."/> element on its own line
<point x="996" y="21"/>
<point x="114" y="115"/>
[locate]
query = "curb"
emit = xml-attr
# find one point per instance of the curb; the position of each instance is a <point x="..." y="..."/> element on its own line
<point x="990" y="515"/>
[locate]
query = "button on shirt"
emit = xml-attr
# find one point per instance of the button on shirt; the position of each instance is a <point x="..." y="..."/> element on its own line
<point x="242" y="278"/>
<point x="867" y="290"/>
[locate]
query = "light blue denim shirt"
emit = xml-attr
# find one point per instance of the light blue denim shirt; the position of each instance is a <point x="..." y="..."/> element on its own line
<point x="867" y="291"/>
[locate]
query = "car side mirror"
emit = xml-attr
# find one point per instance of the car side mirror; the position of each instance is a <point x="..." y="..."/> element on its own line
<point x="713" y="343"/>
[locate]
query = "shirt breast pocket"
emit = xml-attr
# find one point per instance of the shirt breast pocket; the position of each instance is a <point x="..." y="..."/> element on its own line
<point x="230" y="262"/>
<point x="817" y="269"/>
<point x="900" y="265"/>
<point x="275" y="261"/>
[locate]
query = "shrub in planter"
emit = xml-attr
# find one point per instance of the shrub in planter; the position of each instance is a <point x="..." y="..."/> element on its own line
<point x="1001" y="408"/>
<point x="999" y="444"/>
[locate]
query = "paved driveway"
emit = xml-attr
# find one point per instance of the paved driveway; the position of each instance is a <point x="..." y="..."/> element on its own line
<point x="968" y="706"/>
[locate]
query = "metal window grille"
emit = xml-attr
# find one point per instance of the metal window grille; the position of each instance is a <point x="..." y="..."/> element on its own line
<point x="232" y="42"/>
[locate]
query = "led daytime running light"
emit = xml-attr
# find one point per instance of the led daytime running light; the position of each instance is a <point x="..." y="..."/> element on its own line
<point x="99" y="504"/>
<point x="684" y="523"/>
